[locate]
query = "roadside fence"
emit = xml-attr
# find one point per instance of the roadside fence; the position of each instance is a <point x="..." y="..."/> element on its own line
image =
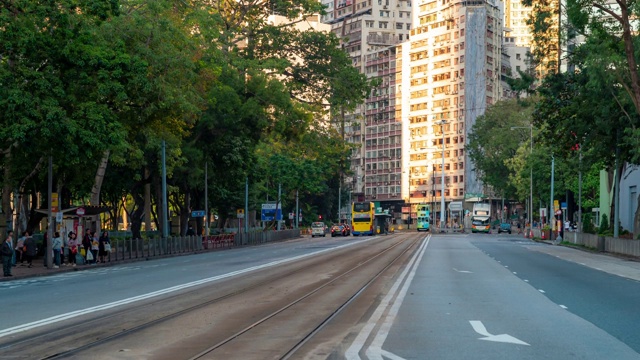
<point x="129" y="248"/>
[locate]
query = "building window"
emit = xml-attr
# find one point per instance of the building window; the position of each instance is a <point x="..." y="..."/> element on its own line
<point x="383" y="24"/>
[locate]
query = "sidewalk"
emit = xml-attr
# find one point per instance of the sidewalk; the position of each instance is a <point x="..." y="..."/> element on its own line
<point x="38" y="269"/>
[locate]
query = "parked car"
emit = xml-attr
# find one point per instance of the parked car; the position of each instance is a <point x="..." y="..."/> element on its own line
<point x="318" y="229"/>
<point x="504" y="227"/>
<point x="338" y="229"/>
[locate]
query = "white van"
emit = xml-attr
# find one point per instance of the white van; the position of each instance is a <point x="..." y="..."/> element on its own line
<point x="318" y="229"/>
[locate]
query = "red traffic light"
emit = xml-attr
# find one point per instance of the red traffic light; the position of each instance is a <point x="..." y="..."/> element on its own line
<point x="319" y="217"/>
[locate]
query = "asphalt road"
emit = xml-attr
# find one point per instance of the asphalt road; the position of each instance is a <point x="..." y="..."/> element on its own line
<point x="457" y="296"/>
<point x="496" y="297"/>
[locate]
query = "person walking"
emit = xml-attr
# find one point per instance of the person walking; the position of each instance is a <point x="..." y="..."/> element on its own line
<point x="30" y="248"/>
<point x="6" y="253"/>
<point x="72" y="243"/>
<point x="56" y="245"/>
<point x="104" y="245"/>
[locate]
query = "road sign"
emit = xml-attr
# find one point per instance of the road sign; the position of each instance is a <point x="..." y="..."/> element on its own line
<point x="198" y="213"/>
<point x="268" y="212"/>
<point x="54" y="202"/>
<point x="59" y="217"/>
<point x="240" y="213"/>
<point x="80" y="211"/>
<point x="563" y="206"/>
<point x="292" y="216"/>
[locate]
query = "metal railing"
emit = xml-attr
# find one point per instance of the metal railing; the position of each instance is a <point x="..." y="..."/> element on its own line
<point x="129" y="248"/>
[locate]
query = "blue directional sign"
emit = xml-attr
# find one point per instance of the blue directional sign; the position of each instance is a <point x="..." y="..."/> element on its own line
<point x="197" y="213"/>
<point x="269" y="212"/>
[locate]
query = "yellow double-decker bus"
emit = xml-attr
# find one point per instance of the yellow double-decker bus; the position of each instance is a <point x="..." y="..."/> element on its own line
<point x="363" y="218"/>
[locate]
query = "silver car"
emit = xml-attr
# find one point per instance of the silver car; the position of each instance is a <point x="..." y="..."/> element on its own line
<point x="318" y="229"/>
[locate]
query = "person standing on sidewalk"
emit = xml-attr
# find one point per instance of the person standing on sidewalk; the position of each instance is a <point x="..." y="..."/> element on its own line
<point x="56" y="245"/>
<point x="6" y="252"/>
<point x="72" y="244"/>
<point x="86" y="244"/>
<point x="104" y="244"/>
<point x="20" y="250"/>
<point x="30" y="248"/>
<point x="95" y="246"/>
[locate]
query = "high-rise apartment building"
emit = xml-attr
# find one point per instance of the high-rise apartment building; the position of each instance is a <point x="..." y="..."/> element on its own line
<point x="450" y="73"/>
<point x="369" y="30"/>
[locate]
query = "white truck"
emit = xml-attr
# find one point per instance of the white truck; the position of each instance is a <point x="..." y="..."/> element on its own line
<point x="481" y="218"/>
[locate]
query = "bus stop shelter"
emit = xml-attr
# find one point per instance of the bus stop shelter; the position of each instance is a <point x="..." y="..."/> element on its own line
<point x="382" y="222"/>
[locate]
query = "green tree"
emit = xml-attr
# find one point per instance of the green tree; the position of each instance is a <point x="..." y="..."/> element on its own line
<point x="493" y="145"/>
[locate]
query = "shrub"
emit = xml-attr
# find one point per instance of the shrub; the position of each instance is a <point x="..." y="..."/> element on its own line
<point x="604" y="224"/>
<point x="587" y="224"/>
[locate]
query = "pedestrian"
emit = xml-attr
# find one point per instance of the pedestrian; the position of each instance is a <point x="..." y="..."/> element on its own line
<point x="20" y="250"/>
<point x="6" y="253"/>
<point x="190" y="231"/>
<point x="56" y="245"/>
<point x="30" y="248"/>
<point x="86" y="243"/>
<point x="64" y="253"/>
<point x="95" y="246"/>
<point x="104" y="248"/>
<point x="72" y="244"/>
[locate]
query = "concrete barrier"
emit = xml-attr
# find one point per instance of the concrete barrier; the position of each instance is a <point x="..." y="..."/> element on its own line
<point x="628" y="247"/>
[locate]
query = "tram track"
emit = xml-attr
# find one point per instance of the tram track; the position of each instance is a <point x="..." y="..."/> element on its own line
<point x="77" y="339"/>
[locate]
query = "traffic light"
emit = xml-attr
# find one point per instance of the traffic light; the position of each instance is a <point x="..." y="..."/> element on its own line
<point x="319" y="217"/>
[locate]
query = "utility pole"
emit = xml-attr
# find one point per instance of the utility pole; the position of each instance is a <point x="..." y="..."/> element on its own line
<point x="551" y="212"/>
<point x="48" y="245"/>
<point x="246" y="204"/>
<point x="165" y="220"/>
<point x="206" y="199"/>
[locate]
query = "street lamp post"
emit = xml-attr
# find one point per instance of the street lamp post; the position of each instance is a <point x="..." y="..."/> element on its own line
<point x="442" y="123"/>
<point x="530" y="127"/>
<point x="409" y="188"/>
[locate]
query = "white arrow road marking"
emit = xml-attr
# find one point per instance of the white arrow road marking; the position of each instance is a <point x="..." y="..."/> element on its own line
<point x="463" y="271"/>
<point x="480" y="329"/>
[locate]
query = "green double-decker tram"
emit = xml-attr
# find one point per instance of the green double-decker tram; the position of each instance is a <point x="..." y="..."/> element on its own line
<point x="423" y="217"/>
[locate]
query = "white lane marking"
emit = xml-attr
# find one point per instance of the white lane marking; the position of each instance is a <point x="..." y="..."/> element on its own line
<point x="478" y="326"/>
<point x="525" y="280"/>
<point x="391" y="355"/>
<point x="515" y="273"/>
<point x="70" y="315"/>
<point x="358" y="343"/>
<point x="506" y="266"/>
<point x="564" y="307"/>
<point x="463" y="271"/>
<point x="542" y="291"/>
<point x="374" y="352"/>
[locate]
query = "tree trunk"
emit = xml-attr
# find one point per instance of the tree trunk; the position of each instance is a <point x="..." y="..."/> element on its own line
<point x="97" y="185"/>
<point x="7" y="207"/>
<point x="184" y="214"/>
<point x="136" y="216"/>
